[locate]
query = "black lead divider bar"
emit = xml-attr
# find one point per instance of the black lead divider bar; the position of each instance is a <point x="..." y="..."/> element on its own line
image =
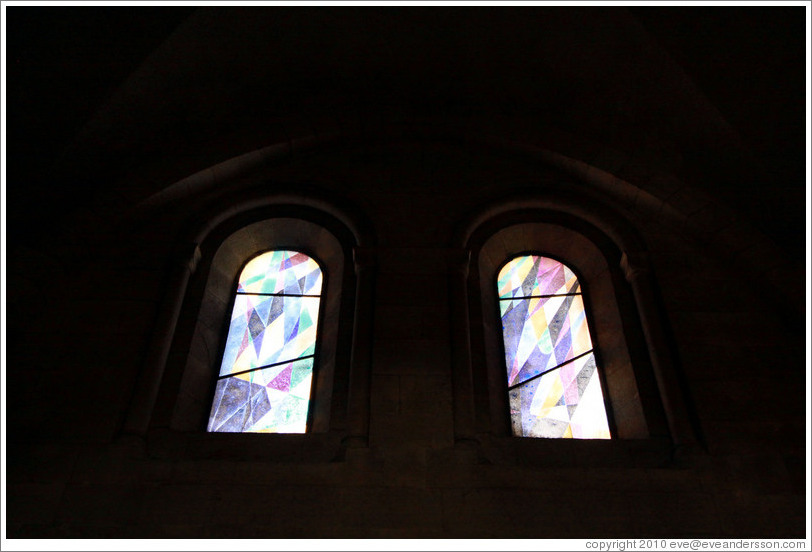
<point x="540" y="296"/>
<point x="275" y="294"/>
<point x="573" y="359"/>
<point x="269" y="366"/>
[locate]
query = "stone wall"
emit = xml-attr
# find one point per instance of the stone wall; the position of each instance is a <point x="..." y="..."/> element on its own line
<point x="75" y="471"/>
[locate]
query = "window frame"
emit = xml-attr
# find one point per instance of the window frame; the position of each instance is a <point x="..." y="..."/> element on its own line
<point x="610" y="241"/>
<point x="197" y="351"/>
<point x="344" y="418"/>
<point x="592" y="334"/>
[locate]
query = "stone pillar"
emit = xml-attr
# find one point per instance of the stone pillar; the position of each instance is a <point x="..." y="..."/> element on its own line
<point x="149" y="380"/>
<point x="637" y="270"/>
<point x="461" y="378"/>
<point x="361" y="357"/>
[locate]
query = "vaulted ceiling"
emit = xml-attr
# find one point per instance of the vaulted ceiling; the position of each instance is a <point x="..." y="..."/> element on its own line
<point x="715" y="95"/>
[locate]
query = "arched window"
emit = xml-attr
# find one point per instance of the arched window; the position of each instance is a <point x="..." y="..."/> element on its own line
<point x="581" y="368"/>
<point x="264" y="384"/>
<point x="554" y="389"/>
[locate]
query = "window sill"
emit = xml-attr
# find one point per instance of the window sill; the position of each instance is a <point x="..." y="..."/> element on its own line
<point x="275" y="447"/>
<point x="654" y="452"/>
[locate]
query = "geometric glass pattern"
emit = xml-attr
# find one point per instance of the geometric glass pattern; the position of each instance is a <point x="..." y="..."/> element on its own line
<point x="266" y="373"/>
<point x="553" y="384"/>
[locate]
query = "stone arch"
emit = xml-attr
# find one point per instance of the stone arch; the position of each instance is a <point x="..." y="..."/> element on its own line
<point x="593" y="238"/>
<point x="656" y="195"/>
<point x="172" y="388"/>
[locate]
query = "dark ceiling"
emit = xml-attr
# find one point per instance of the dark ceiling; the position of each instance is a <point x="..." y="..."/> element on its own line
<point x="63" y="64"/>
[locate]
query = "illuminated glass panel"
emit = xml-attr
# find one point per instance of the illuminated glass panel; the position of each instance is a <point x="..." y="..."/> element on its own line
<point x="268" y="329"/>
<point x="268" y="400"/>
<point x="534" y="275"/>
<point x="288" y="272"/>
<point x="541" y="333"/>
<point x="265" y="377"/>
<point x="553" y="384"/>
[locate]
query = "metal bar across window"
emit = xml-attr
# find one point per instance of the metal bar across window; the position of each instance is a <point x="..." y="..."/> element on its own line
<point x="573" y="359"/>
<point x="540" y="296"/>
<point x="276" y="294"/>
<point x="266" y="366"/>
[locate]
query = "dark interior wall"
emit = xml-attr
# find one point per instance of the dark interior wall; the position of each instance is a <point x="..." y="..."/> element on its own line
<point x="416" y="121"/>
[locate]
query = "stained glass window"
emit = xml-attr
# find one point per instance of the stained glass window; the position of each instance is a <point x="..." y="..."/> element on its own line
<point x="552" y="378"/>
<point x="266" y="373"/>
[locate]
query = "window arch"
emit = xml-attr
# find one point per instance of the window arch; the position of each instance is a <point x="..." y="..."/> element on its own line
<point x="186" y="395"/>
<point x="631" y="397"/>
<point x="553" y="382"/>
<point x="266" y="373"/>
